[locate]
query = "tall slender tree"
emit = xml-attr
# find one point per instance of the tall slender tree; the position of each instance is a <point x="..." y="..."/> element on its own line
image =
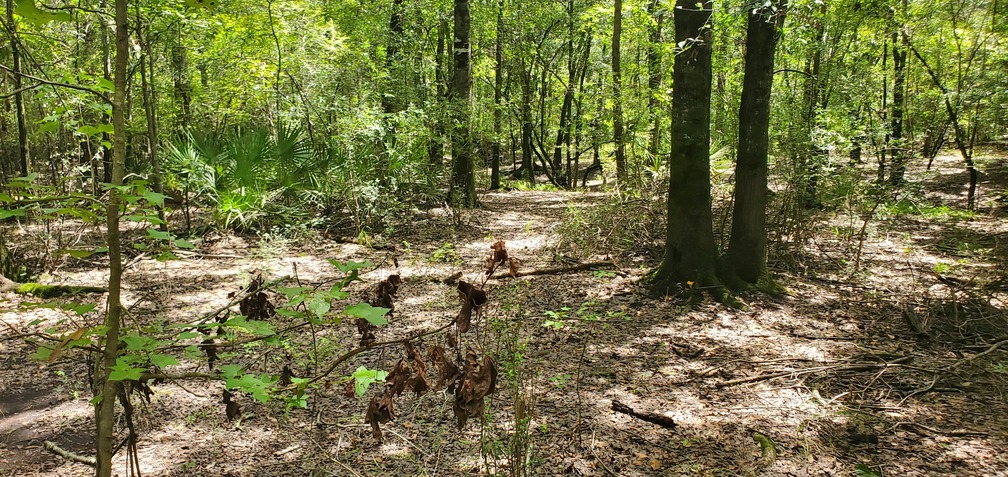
<point x="495" y="160"/>
<point x="690" y="254"/>
<point x="107" y="389"/>
<point x="24" y="153"/>
<point x="747" y="246"/>
<point x="621" y="166"/>
<point x="463" y="182"/>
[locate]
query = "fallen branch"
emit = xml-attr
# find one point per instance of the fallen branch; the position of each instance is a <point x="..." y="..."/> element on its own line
<point x="653" y="418"/>
<point x="554" y="270"/>
<point x="817" y="369"/>
<point x="68" y="455"/>
<point x="994" y="347"/>
<point x="917" y="428"/>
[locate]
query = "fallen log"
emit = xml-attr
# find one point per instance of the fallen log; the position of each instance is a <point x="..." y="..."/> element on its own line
<point x="653" y="418"/>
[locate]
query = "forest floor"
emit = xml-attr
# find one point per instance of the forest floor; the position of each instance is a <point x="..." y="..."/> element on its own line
<point x="890" y="364"/>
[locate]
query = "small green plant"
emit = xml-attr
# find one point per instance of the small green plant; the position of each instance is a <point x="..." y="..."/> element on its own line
<point x="445" y="254"/>
<point x="1000" y="368"/>
<point x="560" y="380"/>
<point x="863" y="470"/>
<point x="603" y="275"/>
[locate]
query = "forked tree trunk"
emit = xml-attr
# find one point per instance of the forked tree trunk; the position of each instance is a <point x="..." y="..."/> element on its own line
<point x="690" y="254"/>
<point x="747" y="246"/>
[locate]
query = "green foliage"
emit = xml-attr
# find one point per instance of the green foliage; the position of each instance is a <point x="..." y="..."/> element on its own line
<point x="445" y="254"/>
<point x="617" y="225"/>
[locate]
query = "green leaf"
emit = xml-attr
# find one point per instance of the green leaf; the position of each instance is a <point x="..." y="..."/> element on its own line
<point x="80" y="309"/>
<point x="230" y="370"/>
<point x="123" y="371"/>
<point x="31" y="13"/>
<point x="363" y="378"/>
<point x="180" y="243"/>
<point x="319" y="306"/>
<point x="135" y="342"/>
<point x="154" y="198"/>
<point x="256" y="327"/>
<point x="158" y="235"/>
<point x="188" y="335"/>
<point x="163" y="360"/>
<point x="373" y="314"/>
<point x="7" y="213"/>
<point x="79" y="253"/>
<point x="350" y="266"/>
<point x="42" y="354"/>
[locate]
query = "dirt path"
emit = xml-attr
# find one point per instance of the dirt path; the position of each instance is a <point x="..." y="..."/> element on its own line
<point x="825" y="381"/>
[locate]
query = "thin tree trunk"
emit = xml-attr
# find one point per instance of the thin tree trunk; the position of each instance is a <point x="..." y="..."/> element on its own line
<point x="898" y="153"/>
<point x="690" y="255"/>
<point x="435" y="149"/>
<point x="105" y="408"/>
<point x="621" y="166"/>
<point x="463" y="183"/>
<point x="150" y="110"/>
<point x="7" y="268"/>
<point x="390" y="101"/>
<point x="747" y="245"/>
<point x="960" y="134"/>
<point x="24" y="153"/>
<point x="180" y="78"/>
<point x="495" y="160"/>
<point x="654" y="78"/>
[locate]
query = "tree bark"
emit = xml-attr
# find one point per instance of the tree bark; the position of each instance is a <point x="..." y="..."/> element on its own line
<point x="7" y="268"/>
<point x="897" y="152"/>
<point x="180" y="78"/>
<point x="495" y="160"/>
<point x="391" y="103"/>
<point x="150" y="110"/>
<point x="435" y="150"/>
<point x="654" y="78"/>
<point x="690" y="254"/>
<point x="24" y="152"/>
<point x="463" y="184"/>
<point x="105" y="408"/>
<point x="747" y="246"/>
<point x="621" y="166"/>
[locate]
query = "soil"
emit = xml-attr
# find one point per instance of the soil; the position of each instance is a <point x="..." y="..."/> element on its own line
<point x="890" y="366"/>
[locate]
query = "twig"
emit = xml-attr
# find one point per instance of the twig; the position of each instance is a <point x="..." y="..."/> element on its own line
<point x="817" y="369"/>
<point x="567" y="269"/>
<point x="994" y="347"/>
<point x="68" y="455"/>
<point x="653" y="418"/>
<point x="954" y="433"/>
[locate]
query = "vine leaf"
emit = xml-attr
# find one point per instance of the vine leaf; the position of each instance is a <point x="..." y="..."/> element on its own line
<point x="373" y="314"/>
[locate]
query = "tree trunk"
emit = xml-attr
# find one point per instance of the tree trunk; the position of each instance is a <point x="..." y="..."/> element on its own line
<point x="463" y="185"/>
<point x="621" y="166"/>
<point x="654" y="78"/>
<point x="953" y="115"/>
<point x="435" y="150"/>
<point x="495" y="160"/>
<point x="24" y="153"/>
<point x="180" y="78"/>
<point x="150" y="110"/>
<point x="390" y="102"/>
<point x="526" y="125"/>
<point x="747" y="245"/>
<point x="690" y="254"/>
<point x="7" y="268"/>
<point x="812" y="155"/>
<point x="897" y="152"/>
<point x="105" y="408"/>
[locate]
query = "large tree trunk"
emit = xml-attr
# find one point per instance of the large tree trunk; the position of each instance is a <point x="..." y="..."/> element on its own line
<point x="495" y="160"/>
<point x="690" y="254"/>
<point x="747" y="245"/>
<point x="621" y="166"/>
<point x="463" y="183"/>
<point x="24" y="153"/>
<point x="105" y="408"/>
